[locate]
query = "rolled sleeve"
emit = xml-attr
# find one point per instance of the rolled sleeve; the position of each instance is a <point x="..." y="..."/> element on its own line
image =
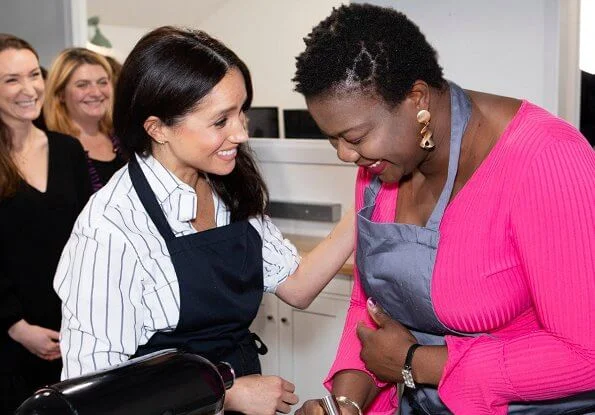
<point x="280" y="257"/>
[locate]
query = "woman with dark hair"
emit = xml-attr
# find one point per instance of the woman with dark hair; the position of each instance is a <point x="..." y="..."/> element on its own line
<point x="79" y="102"/>
<point x="175" y="251"/>
<point x="43" y="186"/>
<point x="475" y="222"/>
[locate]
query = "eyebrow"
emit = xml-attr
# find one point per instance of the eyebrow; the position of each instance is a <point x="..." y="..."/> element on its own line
<point x="228" y="110"/>
<point x="225" y="111"/>
<point x="342" y="133"/>
<point x="90" y="80"/>
<point x="16" y="74"/>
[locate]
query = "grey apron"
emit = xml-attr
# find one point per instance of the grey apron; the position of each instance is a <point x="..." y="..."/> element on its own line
<point x="396" y="262"/>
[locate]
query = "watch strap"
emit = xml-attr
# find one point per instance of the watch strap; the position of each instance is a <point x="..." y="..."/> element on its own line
<point x="407" y="371"/>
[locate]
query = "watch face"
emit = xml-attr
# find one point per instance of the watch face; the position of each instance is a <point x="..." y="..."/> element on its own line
<point x="408" y="377"/>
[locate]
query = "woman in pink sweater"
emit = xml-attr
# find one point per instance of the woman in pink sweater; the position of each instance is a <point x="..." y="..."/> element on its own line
<point x="475" y="255"/>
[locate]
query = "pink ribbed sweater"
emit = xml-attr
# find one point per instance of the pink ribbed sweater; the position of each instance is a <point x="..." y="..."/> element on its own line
<point x="516" y="260"/>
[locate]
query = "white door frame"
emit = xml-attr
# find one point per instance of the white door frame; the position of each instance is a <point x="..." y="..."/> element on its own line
<point x="78" y="22"/>
<point x="569" y="86"/>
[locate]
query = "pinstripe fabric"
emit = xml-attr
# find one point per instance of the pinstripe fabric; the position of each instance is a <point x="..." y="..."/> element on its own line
<point x="115" y="277"/>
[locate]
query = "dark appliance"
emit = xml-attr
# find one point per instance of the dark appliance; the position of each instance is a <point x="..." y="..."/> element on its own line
<point x="168" y="382"/>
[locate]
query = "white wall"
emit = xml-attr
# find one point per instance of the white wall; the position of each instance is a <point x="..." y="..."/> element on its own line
<point x="266" y="34"/>
<point x="122" y="38"/>
<point x="587" y="35"/>
<point x="48" y="29"/>
<point x="506" y="47"/>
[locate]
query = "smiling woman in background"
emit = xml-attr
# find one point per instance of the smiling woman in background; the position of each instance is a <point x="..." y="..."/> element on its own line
<point x="43" y="186"/>
<point x="79" y="103"/>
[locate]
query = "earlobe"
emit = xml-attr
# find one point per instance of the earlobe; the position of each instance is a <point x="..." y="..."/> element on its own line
<point x="154" y="127"/>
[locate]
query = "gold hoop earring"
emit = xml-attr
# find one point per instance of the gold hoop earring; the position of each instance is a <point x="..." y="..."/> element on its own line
<point x="159" y="142"/>
<point x="423" y="117"/>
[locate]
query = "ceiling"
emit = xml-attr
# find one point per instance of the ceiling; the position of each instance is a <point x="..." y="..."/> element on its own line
<point x="152" y="13"/>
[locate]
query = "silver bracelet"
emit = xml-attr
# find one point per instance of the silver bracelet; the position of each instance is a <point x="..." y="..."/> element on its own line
<point x="330" y="405"/>
<point x="347" y="401"/>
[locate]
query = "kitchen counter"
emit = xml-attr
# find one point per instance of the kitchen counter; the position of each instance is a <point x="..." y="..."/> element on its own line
<point x="305" y="244"/>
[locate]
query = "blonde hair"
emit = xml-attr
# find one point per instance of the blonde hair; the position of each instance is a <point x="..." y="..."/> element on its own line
<point x="54" y="109"/>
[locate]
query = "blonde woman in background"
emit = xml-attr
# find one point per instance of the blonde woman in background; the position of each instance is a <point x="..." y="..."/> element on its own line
<point x="79" y="103"/>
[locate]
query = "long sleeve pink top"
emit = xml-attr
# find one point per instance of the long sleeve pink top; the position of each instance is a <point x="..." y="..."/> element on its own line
<point x="516" y="261"/>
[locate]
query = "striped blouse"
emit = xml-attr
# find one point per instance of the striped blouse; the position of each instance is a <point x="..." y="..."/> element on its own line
<point x="115" y="278"/>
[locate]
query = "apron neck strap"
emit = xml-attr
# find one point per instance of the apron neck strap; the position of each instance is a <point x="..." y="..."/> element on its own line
<point x="460" y="110"/>
<point x="148" y="199"/>
<point x="372" y="191"/>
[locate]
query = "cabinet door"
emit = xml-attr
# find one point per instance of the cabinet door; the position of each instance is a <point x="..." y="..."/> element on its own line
<point x="308" y="343"/>
<point x="265" y="325"/>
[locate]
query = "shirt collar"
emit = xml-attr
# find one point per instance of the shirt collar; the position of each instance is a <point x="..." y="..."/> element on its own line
<point x="177" y="199"/>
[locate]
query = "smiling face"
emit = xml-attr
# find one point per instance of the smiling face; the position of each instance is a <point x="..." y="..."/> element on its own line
<point x="207" y="138"/>
<point x="366" y="131"/>
<point x="87" y="94"/>
<point x="21" y="86"/>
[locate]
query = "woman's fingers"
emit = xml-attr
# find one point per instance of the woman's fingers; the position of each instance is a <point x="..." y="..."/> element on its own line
<point x="290" y="398"/>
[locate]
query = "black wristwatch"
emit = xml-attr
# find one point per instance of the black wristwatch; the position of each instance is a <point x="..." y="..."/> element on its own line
<point x="407" y="371"/>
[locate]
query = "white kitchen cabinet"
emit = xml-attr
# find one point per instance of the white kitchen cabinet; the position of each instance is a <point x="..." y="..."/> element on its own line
<point x="302" y="343"/>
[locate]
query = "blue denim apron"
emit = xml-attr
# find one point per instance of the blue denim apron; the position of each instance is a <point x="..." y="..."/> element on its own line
<point x="219" y="272"/>
<point x="396" y="262"/>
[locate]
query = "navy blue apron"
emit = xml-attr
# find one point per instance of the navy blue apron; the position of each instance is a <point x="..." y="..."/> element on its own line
<point x="396" y="262"/>
<point x="219" y="272"/>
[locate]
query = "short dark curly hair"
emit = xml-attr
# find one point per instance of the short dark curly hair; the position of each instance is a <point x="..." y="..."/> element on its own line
<point x="363" y="46"/>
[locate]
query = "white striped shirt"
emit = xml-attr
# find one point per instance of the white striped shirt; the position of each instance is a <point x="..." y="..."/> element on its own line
<point x="115" y="278"/>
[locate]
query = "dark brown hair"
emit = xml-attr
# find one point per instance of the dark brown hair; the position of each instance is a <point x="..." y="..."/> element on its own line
<point x="9" y="173"/>
<point x="169" y="71"/>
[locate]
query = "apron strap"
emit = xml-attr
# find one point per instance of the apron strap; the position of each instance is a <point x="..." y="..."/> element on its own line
<point x="460" y="110"/>
<point x="371" y="191"/>
<point x="148" y="199"/>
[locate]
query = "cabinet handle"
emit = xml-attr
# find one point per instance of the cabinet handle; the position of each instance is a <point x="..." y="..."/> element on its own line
<point x="270" y="318"/>
<point x="284" y="320"/>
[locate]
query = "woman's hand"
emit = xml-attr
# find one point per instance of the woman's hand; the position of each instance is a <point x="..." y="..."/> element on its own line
<point x="261" y="395"/>
<point x="38" y="340"/>
<point x="311" y="407"/>
<point x="384" y="349"/>
<point x="357" y="385"/>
